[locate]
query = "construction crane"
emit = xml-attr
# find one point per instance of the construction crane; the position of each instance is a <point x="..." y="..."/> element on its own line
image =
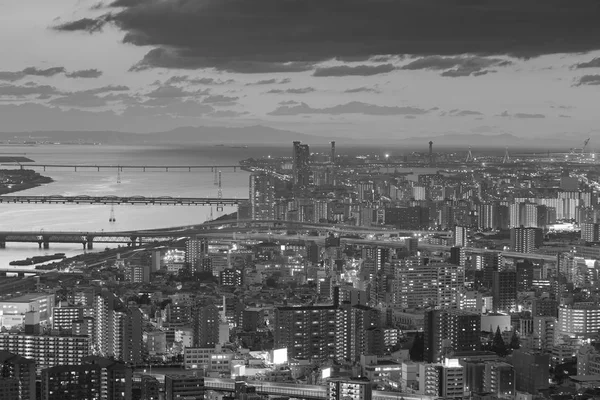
<point x="585" y="145"/>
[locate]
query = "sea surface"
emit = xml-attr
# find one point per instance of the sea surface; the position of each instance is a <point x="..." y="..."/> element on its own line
<point x="85" y="218"/>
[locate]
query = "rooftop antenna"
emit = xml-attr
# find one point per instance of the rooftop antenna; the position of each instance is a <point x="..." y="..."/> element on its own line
<point x="506" y="159"/>
<point x="469" y="156"/>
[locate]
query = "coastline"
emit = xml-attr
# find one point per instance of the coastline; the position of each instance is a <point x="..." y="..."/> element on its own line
<point x="16" y="180"/>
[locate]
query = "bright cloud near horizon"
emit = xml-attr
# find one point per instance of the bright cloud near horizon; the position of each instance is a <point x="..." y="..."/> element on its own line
<point x="351" y="68"/>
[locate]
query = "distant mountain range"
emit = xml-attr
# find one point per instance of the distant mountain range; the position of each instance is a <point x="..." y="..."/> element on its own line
<point x="262" y="135"/>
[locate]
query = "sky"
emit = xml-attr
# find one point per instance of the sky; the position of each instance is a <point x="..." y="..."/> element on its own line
<point x="343" y="68"/>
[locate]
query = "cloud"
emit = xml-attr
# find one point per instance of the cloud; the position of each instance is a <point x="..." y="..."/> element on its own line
<point x="359" y="70"/>
<point x="90" y="25"/>
<point x="588" y="80"/>
<point x="227" y="114"/>
<point x="270" y="82"/>
<point x="220" y="99"/>
<point x="289" y="102"/>
<point x="456" y="66"/>
<point x="107" y="89"/>
<point x="79" y="100"/>
<point x="11" y="76"/>
<point x="85" y="73"/>
<point x="44" y="72"/>
<point x="292" y="91"/>
<point x="523" y="115"/>
<point x="27" y="90"/>
<point x="169" y="91"/>
<point x="463" y="113"/>
<point x="215" y="33"/>
<point x="362" y="89"/>
<point x="196" y="81"/>
<point x="595" y="63"/>
<point x="354" y="107"/>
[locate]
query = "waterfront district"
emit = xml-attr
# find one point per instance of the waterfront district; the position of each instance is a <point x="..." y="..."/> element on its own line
<point x="340" y="278"/>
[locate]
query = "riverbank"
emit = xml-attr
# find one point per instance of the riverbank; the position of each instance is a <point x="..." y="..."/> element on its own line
<point x="15" y="180"/>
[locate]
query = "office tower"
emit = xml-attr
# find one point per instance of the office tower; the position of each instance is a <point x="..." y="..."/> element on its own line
<point x="301" y="166"/>
<point x="22" y="371"/>
<point x="205" y="324"/>
<point x="460" y="236"/>
<point x="504" y="291"/>
<point x="332" y="157"/>
<point x="525" y="240"/>
<point x="450" y="330"/>
<point x="195" y="251"/>
<point x="499" y="379"/>
<point x="431" y="161"/>
<point x="187" y="387"/>
<point x="353" y="326"/>
<point x="580" y="320"/>
<point x="349" y="389"/>
<point x="262" y="196"/>
<point x="524" y="275"/>
<point x="590" y="232"/>
<point x="531" y="371"/>
<point x="47" y="350"/>
<point x="95" y="378"/>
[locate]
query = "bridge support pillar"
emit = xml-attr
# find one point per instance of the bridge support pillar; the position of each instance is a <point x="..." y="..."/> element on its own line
<point x="167" y="169"/>
<point x="46" y="245"/>
<point x="2" y="245"/>
<point x="44" y="168"/>
<point x="234" y="169"/>
<point x="90" y="243"/>
<point x="75" y="169"/>
<point x="144" y="169"/>
<point x="40" y="244"/>
<point x="98" y="169"/>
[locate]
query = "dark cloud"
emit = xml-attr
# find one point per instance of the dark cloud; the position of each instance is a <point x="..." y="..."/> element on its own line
<point x="457" y="66"/>
<point x="252" y="35"/>
<point x="564" y="116"/>
<point x="169" y="91"/>
<point x="11" y="76"/>
<point x="292" y="91"/>
<point x="464" y="113"/>
<point x="271" y="82"/>
<point x="196" y="81"/>
<point x="220" y="99"/>
<point x="84" y="24"/>
<point x="362" y="89"/>
<point x="79" y="100"/>
<point x="227" y="114"/>
<point x="27" y="90"/>
<point x="595" y="63"/>
<point x="354" y="107"/>
<point x="359" y="70"/>
<point x="85" y="73"/>
<point x="107" y="89"/>
<point x="44" y="72"/>
<point x="288" y="102"/>
<point x="522" y="115"/>
<point x="588" y="80"/>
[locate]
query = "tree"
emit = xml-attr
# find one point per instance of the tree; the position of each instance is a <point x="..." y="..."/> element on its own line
<point x="498" y="345"/>
<point x="515" y="342"/>
<point x="417" y="351"/>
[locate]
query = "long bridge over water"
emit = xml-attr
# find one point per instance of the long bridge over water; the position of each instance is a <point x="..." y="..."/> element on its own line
<point x="127" y="200"/>
<point x="118" y="167"/>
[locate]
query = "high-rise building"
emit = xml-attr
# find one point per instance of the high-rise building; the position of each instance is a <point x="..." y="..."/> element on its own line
<point x="349" y="389"/>
<point x="524" y="275"/>
<point x="63" y="317"/>
<point x="531" y="371"/>
<point x="22" y="371"/>
<point x="96" y="378"/>
<point x="179" y="387"/>
<point x="580" y="320"/>
<point x="499" y="379"/>
<point x="195" y="250"/>
<point x="590" y="232"/>
<point x="301" y="166"/>
<point x="450" y="330"/>
<point x="138" y="273"/>
<point x="354" y="326"/>
<point x="525" y="240"/>
<point x="504" y="291"/>
<point x="332" y="156"/>
<point x="262" y="196"/>
<point x="460" y="236"/>
<point x="205" y="325"/>
<point x="47" y="350"/>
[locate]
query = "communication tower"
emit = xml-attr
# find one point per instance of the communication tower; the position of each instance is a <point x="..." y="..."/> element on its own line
<point x="506" y="159"/>
<point x="469" y="156"/>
